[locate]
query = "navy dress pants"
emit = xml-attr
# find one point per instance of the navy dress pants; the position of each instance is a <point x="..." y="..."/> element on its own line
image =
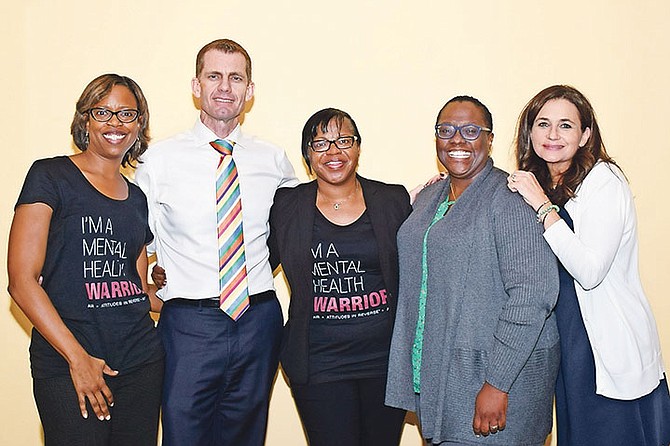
<point x="218" y="373"/>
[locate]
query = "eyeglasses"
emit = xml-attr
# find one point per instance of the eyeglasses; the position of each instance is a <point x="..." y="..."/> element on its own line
<point x="469" y="132"/>
<point x="342" y="143"/>
<point x="126" y="116"/>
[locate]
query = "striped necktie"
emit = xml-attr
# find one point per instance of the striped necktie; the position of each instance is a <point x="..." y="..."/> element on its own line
<point x="234" y="298"/>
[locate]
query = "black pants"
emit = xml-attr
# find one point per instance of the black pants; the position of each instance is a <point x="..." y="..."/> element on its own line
<point x="348" y="413"/>
<point x="134" y="416"/>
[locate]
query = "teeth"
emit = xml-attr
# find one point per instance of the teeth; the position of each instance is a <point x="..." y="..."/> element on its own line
<point x="459" y="154"/>
<point x="114" y="136"/>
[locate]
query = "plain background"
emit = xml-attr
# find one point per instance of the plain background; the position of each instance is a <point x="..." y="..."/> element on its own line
<point x="390" y="64"/>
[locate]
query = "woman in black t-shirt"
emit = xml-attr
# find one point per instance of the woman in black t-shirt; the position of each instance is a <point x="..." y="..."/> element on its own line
<point x="77" y="268"/>
<point x="336" y="240"/>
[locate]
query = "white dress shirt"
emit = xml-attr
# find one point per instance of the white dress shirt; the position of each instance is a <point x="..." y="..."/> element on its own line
<point x="178" y="176"/>
<point x="602" y="256"/>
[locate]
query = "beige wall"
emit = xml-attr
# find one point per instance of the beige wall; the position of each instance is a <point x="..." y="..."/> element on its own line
<point x="390" y="64"/>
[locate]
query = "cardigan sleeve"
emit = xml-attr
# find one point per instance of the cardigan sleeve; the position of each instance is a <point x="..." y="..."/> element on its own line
<point x="530" y="278"/>
<point x="600" y="224"/>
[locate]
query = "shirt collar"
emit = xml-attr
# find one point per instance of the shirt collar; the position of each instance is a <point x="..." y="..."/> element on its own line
<point x="204" y="135"/>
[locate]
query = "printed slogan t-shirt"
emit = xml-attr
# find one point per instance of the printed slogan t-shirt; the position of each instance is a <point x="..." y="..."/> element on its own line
<point x="350" y="330"/>
<point x="90" y="272"/>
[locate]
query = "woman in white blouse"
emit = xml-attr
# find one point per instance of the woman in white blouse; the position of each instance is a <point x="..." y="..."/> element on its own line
<point x="611" y="387"/>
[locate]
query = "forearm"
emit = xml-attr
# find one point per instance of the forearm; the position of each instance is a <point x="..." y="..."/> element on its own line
<point x="142" y="269"/>
<point x="156" y="302"/>
<point x="36" y="305"/>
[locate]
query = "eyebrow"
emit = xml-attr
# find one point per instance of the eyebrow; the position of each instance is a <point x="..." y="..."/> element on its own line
<point x="218" y="73"/>
<point x="542" y="118"/>
<point x="120" y="107"/>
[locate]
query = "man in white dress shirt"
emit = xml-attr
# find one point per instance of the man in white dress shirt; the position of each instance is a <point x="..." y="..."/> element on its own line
<point x="218" y="371"/>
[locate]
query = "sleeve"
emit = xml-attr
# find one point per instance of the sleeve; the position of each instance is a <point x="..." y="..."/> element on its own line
<point x="405" y="202"/>
<point x="144" y="180"/>
<point x="601" y="226"/>
<point x="148" y="234"/>
<point x="40" y="186"/>
<point x="288" y="178"/>
<point x="530" y="277"/>
<point x="273" y="246"/>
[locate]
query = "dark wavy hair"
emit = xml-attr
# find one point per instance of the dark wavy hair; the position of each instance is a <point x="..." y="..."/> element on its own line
<point x="96" y="91"/>
<point x="320" y="120"/>
<point x="585" y="158"/>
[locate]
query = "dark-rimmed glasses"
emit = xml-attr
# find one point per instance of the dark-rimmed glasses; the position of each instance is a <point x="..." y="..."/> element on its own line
<point x="126" y="115"/>
<point x="469" y="132"/>
<point x="342" y="143"/>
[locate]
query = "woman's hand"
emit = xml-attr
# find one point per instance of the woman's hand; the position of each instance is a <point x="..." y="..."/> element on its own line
<point x="528" y="187"/>
<point x="158" y="276"/>
<point x="25" y="259"/>
<point x="414" y="192"/>
<point x="87" y="376"/>
<point x="490" y="411"/>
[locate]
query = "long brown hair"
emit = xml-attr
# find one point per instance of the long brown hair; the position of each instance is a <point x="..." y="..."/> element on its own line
<point x="583" y="161"/>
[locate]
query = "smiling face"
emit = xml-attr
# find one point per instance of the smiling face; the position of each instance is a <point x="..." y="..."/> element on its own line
<point x="113" y="138"/>
<point x="335" y="166"/>
<point x="463" y="159"/>
<point x="222" y="88"/>
<point x="557" y="134"/>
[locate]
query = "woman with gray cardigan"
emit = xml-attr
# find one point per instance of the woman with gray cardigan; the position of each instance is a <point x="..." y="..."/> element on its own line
<point x="475" y="348"/>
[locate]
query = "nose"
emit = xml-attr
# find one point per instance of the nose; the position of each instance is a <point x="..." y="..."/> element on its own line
<point x="458" y="138"/>
<point x="332" y="144"/>
<point x="553" y="132"/>
<point x="224" y="85"/>
<point x="114" y="121"/>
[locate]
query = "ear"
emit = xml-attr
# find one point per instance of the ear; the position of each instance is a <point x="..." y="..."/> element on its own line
<point x="250" y="92"/>
<point x="195" y="87"/>
<point x="585" y="137"/>
<point x="490" y="138"/>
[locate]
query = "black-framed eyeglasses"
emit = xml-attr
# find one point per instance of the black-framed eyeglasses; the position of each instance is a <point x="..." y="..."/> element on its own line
<point x="342" y="143"/>
<point x="469" y="132"/>
<point x="126" y="115"/>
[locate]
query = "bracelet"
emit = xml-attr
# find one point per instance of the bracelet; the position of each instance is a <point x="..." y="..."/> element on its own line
<point x="542" y="215"/>
<point x="541" y="206"/>
<point x="547" y="214"/>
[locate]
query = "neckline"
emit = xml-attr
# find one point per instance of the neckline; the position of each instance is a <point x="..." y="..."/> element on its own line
<point x="95" y="189"/>
<point x="356" y="220"/>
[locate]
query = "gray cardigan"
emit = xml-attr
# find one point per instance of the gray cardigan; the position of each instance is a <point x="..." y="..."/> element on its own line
<point x="492" y="286"/>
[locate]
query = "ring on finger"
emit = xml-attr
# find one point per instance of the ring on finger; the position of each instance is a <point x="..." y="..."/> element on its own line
<point x="513" y="177"/>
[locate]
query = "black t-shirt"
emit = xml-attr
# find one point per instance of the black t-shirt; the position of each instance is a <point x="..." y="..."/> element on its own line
<point x="350" y="330"/>
<point x="90" y="271"/>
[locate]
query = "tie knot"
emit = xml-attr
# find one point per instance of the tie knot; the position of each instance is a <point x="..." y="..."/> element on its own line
<point x="223" y="146"/>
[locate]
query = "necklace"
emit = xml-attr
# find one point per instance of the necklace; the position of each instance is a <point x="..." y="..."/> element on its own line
<point x="453" y="194"/>
<point x="338" y="204"/>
